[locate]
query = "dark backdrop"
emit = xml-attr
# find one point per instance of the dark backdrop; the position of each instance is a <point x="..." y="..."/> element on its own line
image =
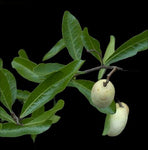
<point x="36" y="27"/>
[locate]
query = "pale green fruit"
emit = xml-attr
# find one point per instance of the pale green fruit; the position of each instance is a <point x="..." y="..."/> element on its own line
<point x="118" y="121"/>
<point x="102" y="96"/>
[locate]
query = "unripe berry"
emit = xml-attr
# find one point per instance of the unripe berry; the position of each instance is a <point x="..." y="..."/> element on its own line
<point x="117" y="121"/>
<point x="102" y="96"/>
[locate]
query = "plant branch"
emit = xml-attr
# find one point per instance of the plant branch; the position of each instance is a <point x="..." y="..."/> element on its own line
<point x="98" y="68"/>
<point x="109" y="75"/>
<point x="15" y="118"/>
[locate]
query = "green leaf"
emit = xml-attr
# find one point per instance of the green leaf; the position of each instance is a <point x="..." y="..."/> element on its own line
<point x="110" y="49"/>
<point x="22" y="53"/>
<point x="1" y="63"/>
<point x="106" y="125"/>
<point x="46" y="69"/>
<point x="22" y="95"/>
<point x="53" y="85"/>
<point x="13" y="130"/>
<point x="130" y="48"/>
<point x="25" y="68"/>
<point x="5" y="116"/>
<point x="71" y="31"/>
<point x="85" y="86"/>
<point x="108" y="110"/>
<point x="92" y="45"/>
<point x="8" y="88"/>
<point x="60" y="45"/>
<point x="47" y="114"/>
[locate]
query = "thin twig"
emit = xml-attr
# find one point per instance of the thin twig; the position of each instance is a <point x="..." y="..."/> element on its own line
<point x="109" y="75"/>
<point x="98" y="68"/>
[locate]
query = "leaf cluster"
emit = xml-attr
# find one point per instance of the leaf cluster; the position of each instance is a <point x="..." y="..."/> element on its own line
<point x="53" y="78"/>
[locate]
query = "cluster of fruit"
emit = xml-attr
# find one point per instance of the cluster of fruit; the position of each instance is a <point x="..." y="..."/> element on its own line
<point x="102" y="96"/>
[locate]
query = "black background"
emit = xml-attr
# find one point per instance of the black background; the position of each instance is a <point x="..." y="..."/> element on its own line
<point x="36" y="27"/>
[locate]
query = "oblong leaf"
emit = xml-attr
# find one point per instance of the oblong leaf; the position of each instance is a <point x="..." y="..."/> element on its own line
<point x="5" y="116"/>
<point x="71" y="31"/>
<point x="47" y="114"/>
<point x="12" y="130"/>
<point x="60" y="45"/>
<point x="53" y="85"/>
<point x="46" y="69"/>
<point x="8" y="88"/>
<point x="130" y="48"/>
<point x="25" y="68"/>
<point x="91" y="44"/>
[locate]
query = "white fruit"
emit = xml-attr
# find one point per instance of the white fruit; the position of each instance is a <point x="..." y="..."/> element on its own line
<point x="118" y="120"/>
<point x="102" y="96"/>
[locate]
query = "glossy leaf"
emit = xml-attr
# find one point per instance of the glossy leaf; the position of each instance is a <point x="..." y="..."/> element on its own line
<point x="5" y="116"/>
<point x="22" y="53"/>
<point x="92" y="45"/>
<point x="25" y="68"/>
<point x="85" y="86"/>
<point x="13" y="130"/>
<point x="130" y="48"/>
<point x="7" y="88"/>
<point x="71" y="31"/>
<point x="46" y="69"/>
<point x="110" y="49"/>
<point x="60" y="45"/>
<point x="47" y="114"/>
<point x="106" y="125"/>
<point x="51" y="86"/>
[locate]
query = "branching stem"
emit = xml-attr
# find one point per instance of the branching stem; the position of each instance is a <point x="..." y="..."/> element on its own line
<point x="98" y="68"/>
<point x="15" y="118"/>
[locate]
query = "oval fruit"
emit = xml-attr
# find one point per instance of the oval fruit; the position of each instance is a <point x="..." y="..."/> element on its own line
<point x="118" y="121"/>
<point x="102" y="96"/>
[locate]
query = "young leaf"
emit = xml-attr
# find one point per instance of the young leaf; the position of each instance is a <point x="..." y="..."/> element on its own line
<point x="47" y="114"/>
<point x="5" y="116"/>
<point x="85" y="86"/>
<point x="46" y="69"/>
<point x="130" y="48"/>
<point x="91" y="44"/>
<point x="51" y="86"/>
<point x="106" y="125"/>
<point x="110" y="49"/>
<point x="8" y="88"/>
<point x="22" y="53"/>
<point x="13" y="130"/>
<point x="25" y="68"/>
<point x="60" y="45"/>
<point x="71" y="31"/>
<point x="22" y="95"/>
